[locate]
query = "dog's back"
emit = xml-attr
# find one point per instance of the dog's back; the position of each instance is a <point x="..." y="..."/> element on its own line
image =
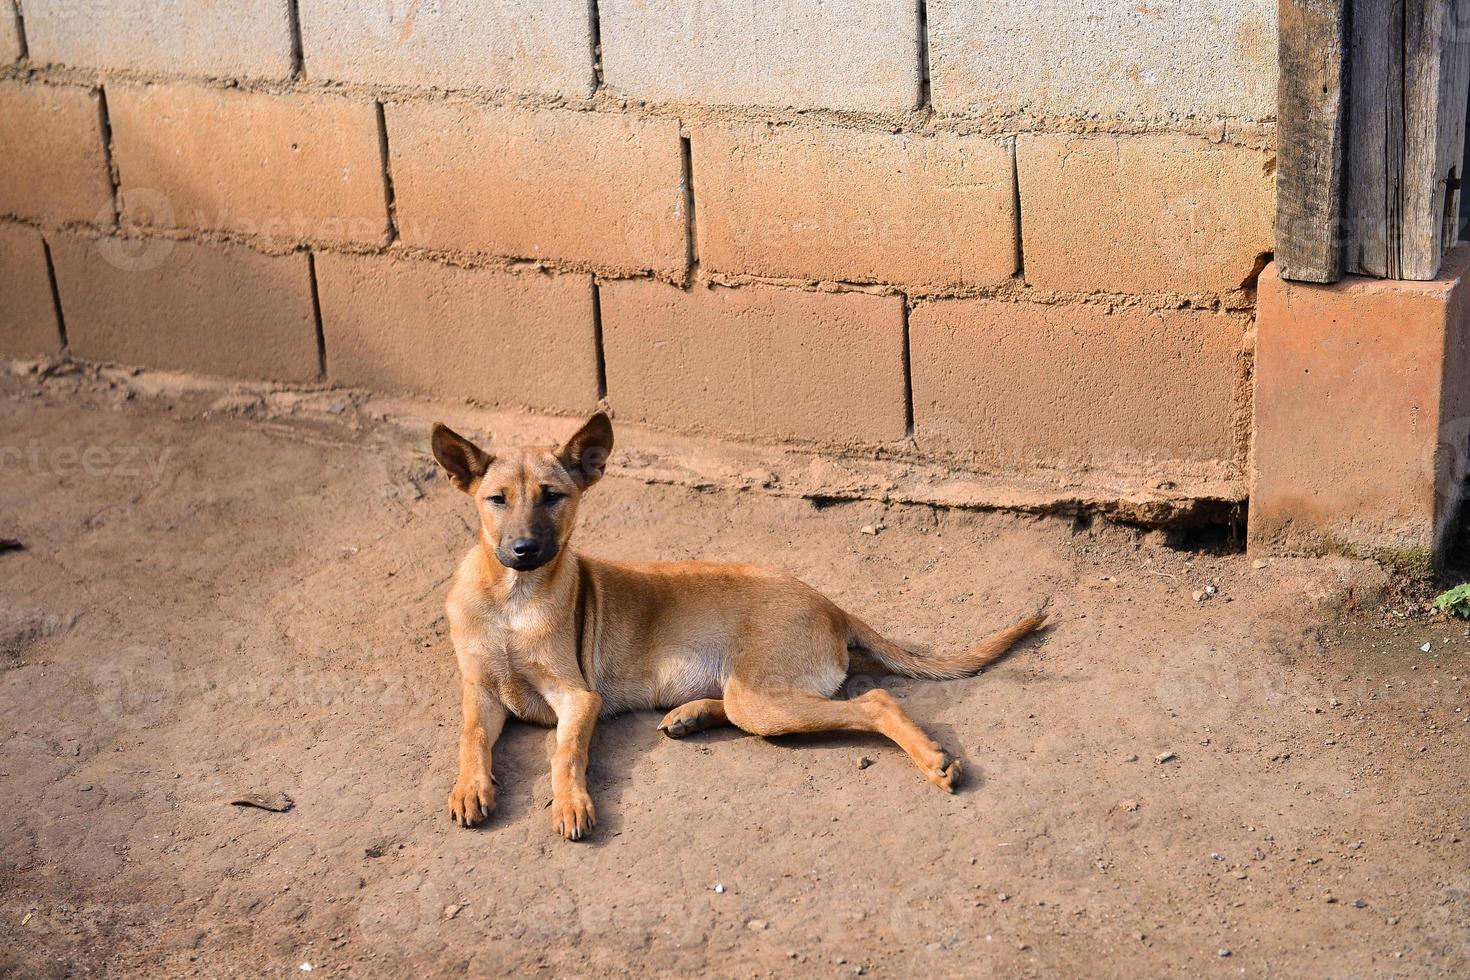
<point x="659" y="634"/>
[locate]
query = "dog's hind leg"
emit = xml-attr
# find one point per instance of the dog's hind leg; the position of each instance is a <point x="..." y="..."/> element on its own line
<point x="783" y="711"/>
<point x="694" y="716"/>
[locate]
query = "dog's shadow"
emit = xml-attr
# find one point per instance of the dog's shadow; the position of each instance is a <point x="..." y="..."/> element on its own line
<point x="522" y="766"/>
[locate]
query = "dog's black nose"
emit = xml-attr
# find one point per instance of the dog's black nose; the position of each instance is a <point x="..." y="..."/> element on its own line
<point x="524" y="547"/>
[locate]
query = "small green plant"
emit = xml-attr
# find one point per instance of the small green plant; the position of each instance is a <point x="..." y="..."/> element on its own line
<point x="1455" y="602"/>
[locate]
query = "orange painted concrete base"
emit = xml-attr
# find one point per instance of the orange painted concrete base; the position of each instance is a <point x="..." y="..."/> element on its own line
<point x="1362" y="413"/>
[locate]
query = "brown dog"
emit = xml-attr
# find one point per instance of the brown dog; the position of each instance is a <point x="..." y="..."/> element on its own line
<point x="557" y="638"/>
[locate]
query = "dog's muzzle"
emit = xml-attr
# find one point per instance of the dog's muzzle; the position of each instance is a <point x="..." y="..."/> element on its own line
<point x="526" y="555"/>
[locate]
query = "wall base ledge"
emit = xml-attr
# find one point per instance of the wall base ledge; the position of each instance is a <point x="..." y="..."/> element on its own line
<point x="1186" y="494"/>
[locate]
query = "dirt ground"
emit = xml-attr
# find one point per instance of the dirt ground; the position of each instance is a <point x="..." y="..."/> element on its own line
<point x="221" y="594"/>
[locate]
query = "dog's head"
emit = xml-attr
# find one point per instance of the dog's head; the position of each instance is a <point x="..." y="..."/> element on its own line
<point x="527" y="496"/>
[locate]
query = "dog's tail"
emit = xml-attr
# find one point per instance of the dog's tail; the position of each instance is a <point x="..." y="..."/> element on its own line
<point x="872" y="651"/>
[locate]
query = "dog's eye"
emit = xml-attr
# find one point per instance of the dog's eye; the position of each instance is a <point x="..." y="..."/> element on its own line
<point x="498" y="499"/>
<point x="550" y="495"/>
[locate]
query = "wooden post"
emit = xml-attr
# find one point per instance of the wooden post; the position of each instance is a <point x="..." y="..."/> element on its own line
<point x="1310" y="150"/>
<point x="1408" y="80"/>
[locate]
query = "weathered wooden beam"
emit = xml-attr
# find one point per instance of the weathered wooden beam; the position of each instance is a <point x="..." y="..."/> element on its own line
<point x="1310" y="148"/>
<point x="1373" y="222"/>
<point x="1437" y="82"/>
<point x="1409" y="78"/>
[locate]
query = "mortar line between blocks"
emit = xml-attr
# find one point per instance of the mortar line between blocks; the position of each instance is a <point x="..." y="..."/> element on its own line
<point x="926" y="99"/>
<point x="908" y="374"/>
<point x="1008" y="291"/>
<point x="298" y="48"/>
<point x="389" y="196"/>
<point x="112" y="175"/>
<point x="597" y="339"/>
<point x="691" y="228"/>
<point x="1254" y="133"/>
<point x="55" y="294"/>
<point x="20" y="30"/>
<point x="1020" y="272"/>
<point x="594" y="15"/>
<point x="316" y="315"/>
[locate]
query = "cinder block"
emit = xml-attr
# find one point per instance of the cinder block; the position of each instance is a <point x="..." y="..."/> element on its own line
<point x="27" y="314"/>
<point x="52" y="163"/>
<point x="10" y="46"/>
<point x="183" y="306"/>
<point x="289" y="167"/>
<point x="838" y="54"/>
<point x="1362" y="413"/>
<point x="1159" y="213"/>
<point x="499" y="338"/>
<point x="823" y="203"/>
<point x="575" y="186"/>
<point x="542" y="46"/>
<point x="1093" y="58"/>
<point x="756" y="362"/>
<point x="1070" y="386"/>
<point x="239" y="39"/>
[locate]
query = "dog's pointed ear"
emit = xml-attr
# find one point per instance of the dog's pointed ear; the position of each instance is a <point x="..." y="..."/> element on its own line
<point x="462" y="460"/>
<point x="585" y="454"/>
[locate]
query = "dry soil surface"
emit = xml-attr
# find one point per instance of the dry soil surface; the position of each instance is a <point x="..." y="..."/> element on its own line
<point x="222" y="594"/>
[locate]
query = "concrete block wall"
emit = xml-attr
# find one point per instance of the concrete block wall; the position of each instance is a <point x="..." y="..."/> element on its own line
<point x="1019" y="237"/>
<point x="10" y="45"/>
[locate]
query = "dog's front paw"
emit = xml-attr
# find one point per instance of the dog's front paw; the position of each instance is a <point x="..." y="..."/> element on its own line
<point x="472" y="800"/>
<point x="574" y="817"/>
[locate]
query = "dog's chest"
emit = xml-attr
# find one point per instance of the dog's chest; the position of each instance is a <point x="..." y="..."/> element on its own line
<point x="531" y="646"/>
<point x="511" y="670"/>
<point x="523" y="622"/>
